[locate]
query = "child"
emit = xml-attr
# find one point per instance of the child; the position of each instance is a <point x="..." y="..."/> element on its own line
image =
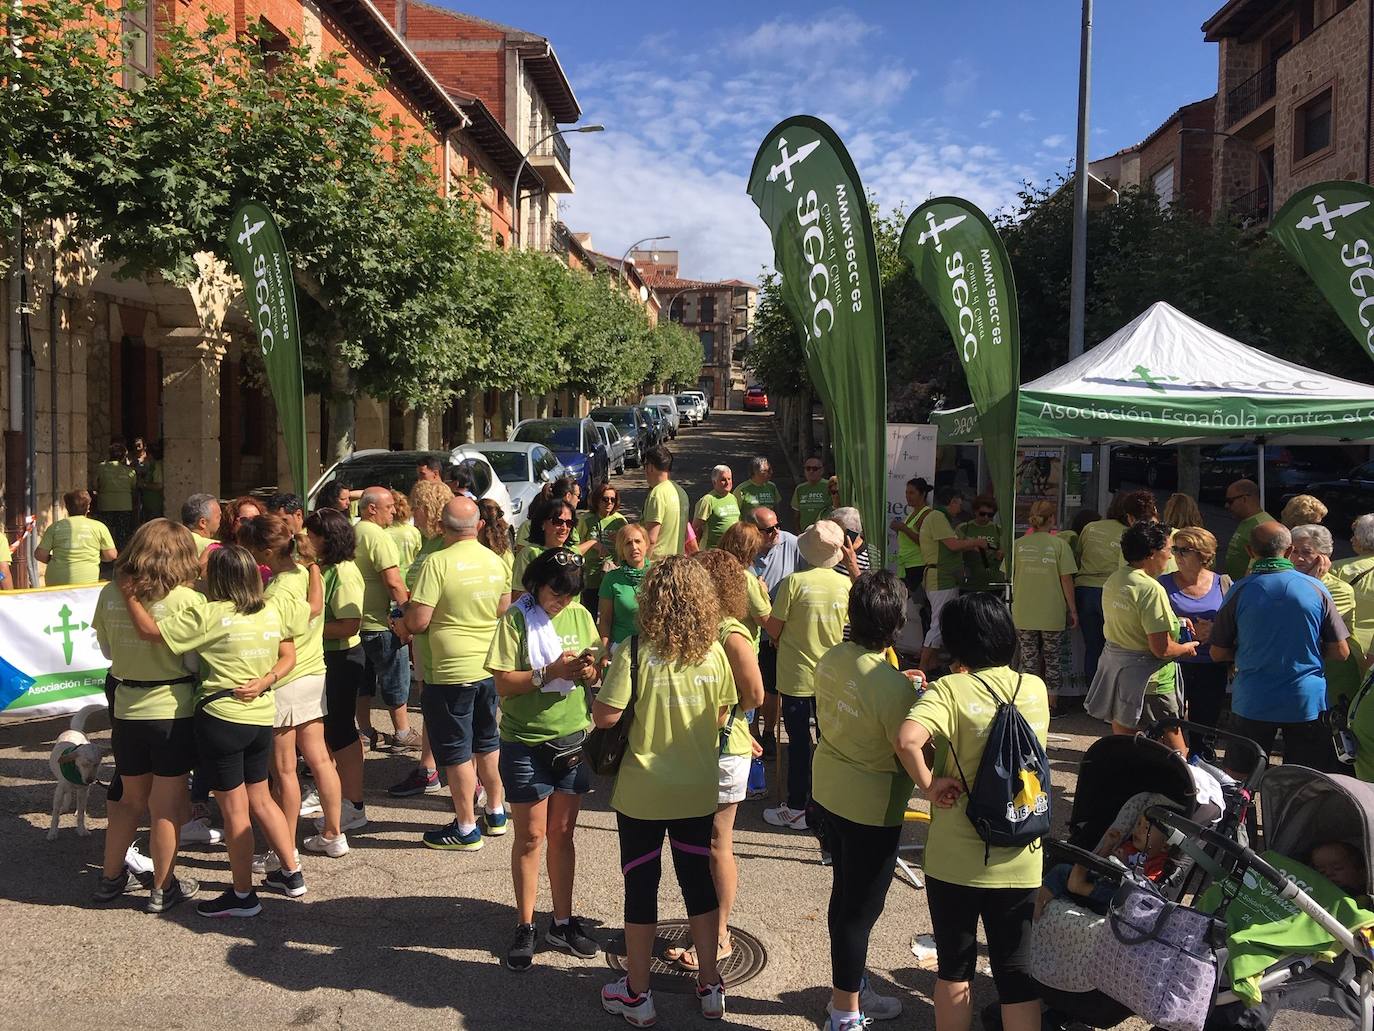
<point x="1341" y="864"/>
<point x="1146" y="852"/>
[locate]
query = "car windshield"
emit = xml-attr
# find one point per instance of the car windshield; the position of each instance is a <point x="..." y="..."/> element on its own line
<point x="510" y="466"/>
<point x="559" y="436"/>
<point x="622" y="420"/>
<point x="686" y="399"/>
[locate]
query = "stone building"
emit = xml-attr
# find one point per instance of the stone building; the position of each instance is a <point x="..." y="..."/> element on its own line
<point x="1174" y="161"/>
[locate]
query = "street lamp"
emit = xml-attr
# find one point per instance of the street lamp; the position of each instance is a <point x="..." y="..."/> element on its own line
<point x="625" y="257"/>
<point x="1268" y="175"/>
<point x="515" y="187"/>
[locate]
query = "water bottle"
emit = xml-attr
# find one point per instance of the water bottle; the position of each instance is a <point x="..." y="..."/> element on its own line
<point x="758" y="783"/>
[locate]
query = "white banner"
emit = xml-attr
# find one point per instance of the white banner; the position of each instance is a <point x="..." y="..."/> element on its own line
<point x="49" y="661"/>
<point x="910" y="453"/>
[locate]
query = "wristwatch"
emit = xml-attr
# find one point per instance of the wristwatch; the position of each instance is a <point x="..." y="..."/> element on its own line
<point x="537" y="678"/>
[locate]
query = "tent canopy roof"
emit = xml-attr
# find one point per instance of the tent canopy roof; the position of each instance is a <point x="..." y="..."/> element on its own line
<point x="1167" y="378"/>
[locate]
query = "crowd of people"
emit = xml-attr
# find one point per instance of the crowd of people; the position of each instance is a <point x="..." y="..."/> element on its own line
<point x="251" y="645"/>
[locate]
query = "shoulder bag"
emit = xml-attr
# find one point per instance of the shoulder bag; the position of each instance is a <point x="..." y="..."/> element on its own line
<point x="605" y="747"/>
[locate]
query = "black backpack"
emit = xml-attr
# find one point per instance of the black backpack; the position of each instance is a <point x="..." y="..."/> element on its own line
<point x="1009" y="803"/>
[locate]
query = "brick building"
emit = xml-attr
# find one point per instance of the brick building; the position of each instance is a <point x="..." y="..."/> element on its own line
<point x="1174" y="161"/>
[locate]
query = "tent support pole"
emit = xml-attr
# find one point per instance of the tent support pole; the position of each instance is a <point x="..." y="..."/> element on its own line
<point x="1259" y="476"/>
<point x="1104" y="475"/>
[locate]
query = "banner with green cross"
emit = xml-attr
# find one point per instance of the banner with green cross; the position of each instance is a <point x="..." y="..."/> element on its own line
<point x="49" y="660"/>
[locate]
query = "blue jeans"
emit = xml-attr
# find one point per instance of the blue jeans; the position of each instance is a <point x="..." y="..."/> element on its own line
<point x="1090" y="621"/>
<point x="388" y="668"/>
<point x="796" y="717"/>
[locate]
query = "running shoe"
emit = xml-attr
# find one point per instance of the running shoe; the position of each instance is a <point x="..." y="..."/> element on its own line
<point x="110" y="888"/>
<point x="139" y="865"/>
<point x="859" y="1023"/>
<point x="782" y="816"/>
<point x="351" y="817"/>
<point x="229" y="904"/>
<point x="419" y="781"/>
<point x="451" y="839"/>
<point x="520" y="955"/>
<point x="265" y="862"/>
<point x="712" y="999"/>
<point x="331" y="847"/>
<point x="292" y="884"/>
<point x="163" y="899"/>
<point x="310" y="803"/>
<point x="408" y="739"/>
<point x="493" y="825"/>
<point x="570" y="937"/>
<point x="638" y="1010"/>
<point x="874" y="1005"/>
<point x="197" y="831"/>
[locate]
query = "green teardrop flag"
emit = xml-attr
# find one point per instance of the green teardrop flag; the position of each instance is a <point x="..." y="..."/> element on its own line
<point x="808" y="193"/>
<point x="261" y="260"/>
<point x="959" y="260"/>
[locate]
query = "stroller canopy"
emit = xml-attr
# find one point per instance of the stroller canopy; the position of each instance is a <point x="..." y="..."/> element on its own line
<point x="1303" y="808"/>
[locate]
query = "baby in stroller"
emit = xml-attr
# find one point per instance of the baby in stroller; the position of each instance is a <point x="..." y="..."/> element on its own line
<point x="1340" y="863"/>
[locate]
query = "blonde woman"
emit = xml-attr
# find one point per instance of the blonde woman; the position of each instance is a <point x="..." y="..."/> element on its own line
<point x="1043" y="605"/>
<point x="1195" y="592"/>
<point x="1302" y="510"/>
<point x="668" y="782"/>
<point x="744" y="543"/>
<point x="151" y="716"/>
<point x="1181" y="511"/>
<point x="618" y="595"/>
<point x="404" y="533"/>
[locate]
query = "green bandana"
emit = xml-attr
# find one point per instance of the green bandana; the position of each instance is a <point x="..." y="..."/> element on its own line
<point x="635" y="576"/>
<point x="1270" y="565"/>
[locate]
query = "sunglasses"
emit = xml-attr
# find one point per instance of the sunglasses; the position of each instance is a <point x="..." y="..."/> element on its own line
<point x="1233" y="498"/>
<point x="813" y="468"/>
<point x="564" y="557"/>
<point x="609" y="499"/>
<point x="770" y="530"/>
<point x="560" y="522"/>
<point x="1184" y="551"/>
<point x="988" y="515"/>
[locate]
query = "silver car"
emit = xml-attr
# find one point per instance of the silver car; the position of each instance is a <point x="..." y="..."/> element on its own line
<point x="617" y="451"/>
<point x="524" y="468"/>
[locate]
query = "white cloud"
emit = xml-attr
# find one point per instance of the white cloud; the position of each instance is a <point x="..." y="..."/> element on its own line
<point x="990" y="119"/>
<point x="961" y="80"/>
<point x="784" y="37"/>
<point x="1025" y="116"/>
<point x="1054" y="142"/>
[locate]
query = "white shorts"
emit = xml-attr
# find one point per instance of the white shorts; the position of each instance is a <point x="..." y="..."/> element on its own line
<point x="300" y="701"/>
<point x="734" y="779"/>
<point x="934" y="639"/>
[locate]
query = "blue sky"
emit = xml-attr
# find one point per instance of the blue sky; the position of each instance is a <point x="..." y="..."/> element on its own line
<point x="930" y="98"/>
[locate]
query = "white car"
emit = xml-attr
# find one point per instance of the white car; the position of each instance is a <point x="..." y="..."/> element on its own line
<point x="617" y="451"/>
<point x="672" y="416"/>
<point x="705" y="402"/>
<point x="396" y="470"/>
<point x="523" y="469"/>
<point x="693" y="409"/>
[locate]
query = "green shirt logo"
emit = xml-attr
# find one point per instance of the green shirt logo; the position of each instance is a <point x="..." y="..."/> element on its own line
<point x="65" y="629"/>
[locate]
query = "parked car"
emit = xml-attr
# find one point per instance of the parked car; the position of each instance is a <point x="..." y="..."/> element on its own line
<point x="1287" y="469"/>
<point x="1149" y="465"/>
<point x="524" y="469"/>
<point x="700" y="395"/>
<point x="615" y="447"/>
<point x="395" y="470"/>
<point x="667" y="403"/>
<point x="633" y="427"/>
<point x="692" y="408"/>
<point x="1346" y="497"/>
<point x="576" y="442"/>
<point x="655" y="419"/>
<point x="756" y="400"/>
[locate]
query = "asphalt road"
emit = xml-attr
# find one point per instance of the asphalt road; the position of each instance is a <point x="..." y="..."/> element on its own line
<point x="394" y="935"/>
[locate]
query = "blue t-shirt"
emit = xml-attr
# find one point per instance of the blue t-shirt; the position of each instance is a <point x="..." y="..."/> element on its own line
<point x="1278" y="623"/>
<point x="780" y="561"/>
<point x="1194" y="608"/>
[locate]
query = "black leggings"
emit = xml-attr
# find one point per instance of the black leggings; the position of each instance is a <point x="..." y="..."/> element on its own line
<point x="862" y="862"/>
<point x="1006" y="914"/>
<point x="344" y="672"/>
<point x="641" y="861"/>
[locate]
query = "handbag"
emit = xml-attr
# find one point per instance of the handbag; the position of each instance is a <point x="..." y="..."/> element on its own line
<point x="605" y="746"/>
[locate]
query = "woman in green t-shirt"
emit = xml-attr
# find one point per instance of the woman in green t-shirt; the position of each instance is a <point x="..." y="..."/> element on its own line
<point x="545" y="656"/>
<point x="668" y="782"/>
<point x="74" y="547"/>
<point x="1044" y="606"/>
<point x="404" y="533"/>
<point x="595" y="534"/>
<point x="618" y="596"/>
<point x="1099" y="556"/>
<point x="965" y="878"/>
<point x="860" y="786"/>
<point x="495" y="535"/>
<point x="551" y="526"/>
<point x="152" y="732"/>
<point x="246" y="646"/>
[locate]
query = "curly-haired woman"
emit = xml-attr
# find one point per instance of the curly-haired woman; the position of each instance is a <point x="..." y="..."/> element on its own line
<point x="669" y="779"/>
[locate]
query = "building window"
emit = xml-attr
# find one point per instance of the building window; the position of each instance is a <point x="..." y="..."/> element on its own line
<point x="1162" y="182"/>
<point x="708" y="346"/>
<point x="708" y="308"/>
<point x="675" y="310"/>
<point x="136" y="30"/>
<point x="1312" y="126"/>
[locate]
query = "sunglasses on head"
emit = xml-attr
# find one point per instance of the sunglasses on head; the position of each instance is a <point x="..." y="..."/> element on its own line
<point x="564" y="557"/>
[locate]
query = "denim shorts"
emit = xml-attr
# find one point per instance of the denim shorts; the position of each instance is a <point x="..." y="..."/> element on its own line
<point x="460" y="720"/>
<point x="388" y="668"/>
<point x="527" y="777"/>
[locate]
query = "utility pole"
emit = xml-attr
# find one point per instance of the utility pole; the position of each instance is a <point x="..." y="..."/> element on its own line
<point x="1077" y="290"/>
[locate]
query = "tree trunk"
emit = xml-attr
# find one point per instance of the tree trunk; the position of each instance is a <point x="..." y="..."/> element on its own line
<point x="541" y="406"/>
<point x="341" y="413"/>
<point x="421" y="429"/>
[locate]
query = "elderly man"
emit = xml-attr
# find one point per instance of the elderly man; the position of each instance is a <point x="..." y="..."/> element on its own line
<point x="384" y="650"/>
<point x="758" y="490"/>
<point x="778" y="560"/>
<point x="200" y="514"/>
<point x="718" y="511"/>
<point x="1243" y="503"/>
<point x="460" y="593"/>
<point x="1279" y="626"/>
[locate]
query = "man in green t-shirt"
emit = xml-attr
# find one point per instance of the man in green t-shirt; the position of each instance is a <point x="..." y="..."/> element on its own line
<point x="201" y="513"/>
<point x="982" y="568"/>
<point x="666" y="508"/>
<point x="759" y="490"/>
<point x="386" y="654"/>
<point x="718" y="511"/>
<point x="460" y="593"/>
<point x="810" y="500"/>
<point x="1243" y="503"/>
<point x="942" y="554"/>
<point x="114" y="494"/>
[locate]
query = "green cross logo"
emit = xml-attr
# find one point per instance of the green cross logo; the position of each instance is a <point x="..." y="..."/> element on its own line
<point x="65" y="628"/>
<point x="1153" y="382"/>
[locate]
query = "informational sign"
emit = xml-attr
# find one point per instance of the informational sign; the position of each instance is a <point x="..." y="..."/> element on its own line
<point x="910" y="453"/>
<point x="1039" y="477"/>
<point x="49" y="660"/>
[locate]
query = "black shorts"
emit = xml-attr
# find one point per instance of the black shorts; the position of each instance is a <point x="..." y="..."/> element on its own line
<point x="768" y="665"/>
<point x="230" y="754"/>
<point x="164" y="748"/>
<point x="460" y="720"/>
<point x="344" y="672"/>
<point x="1006" y="914"/>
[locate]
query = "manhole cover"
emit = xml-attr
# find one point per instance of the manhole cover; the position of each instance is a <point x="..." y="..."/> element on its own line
<point x="745" y="963"/>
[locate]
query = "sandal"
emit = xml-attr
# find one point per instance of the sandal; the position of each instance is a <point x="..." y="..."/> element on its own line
<point x="688" y="959"/>
<point x="674" y="953"/>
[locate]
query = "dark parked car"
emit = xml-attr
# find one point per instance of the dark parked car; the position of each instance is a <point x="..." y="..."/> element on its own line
<point x="654" y="418"/>
<point x="576" y="442"/>
<point x="1346" y="497"/>
<point x="1288" y="469"/>
<point x="1150" y="465"/>
<point x="634" y="430"/>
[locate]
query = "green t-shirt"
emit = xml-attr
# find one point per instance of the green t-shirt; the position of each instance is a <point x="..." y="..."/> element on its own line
<point x="542" y="715"/>
<point x="1099" y="551"/>
<point x="201" y="543"/>
<point x="603" y="531"/>
<point x="981" y="568"/>
<point x="861" y="702"/>
<point x="814" y="605"/>
<point x="464" y="584"/>
<point x="1039" y="559"/>
<point x="760" y="605"/>
<point x="1237" y="558"/>
<point x="1343" y="676"/>
<point x="1070" y="538"/>
<point x="375" y="554"/>
<point x="810" y="501"/>
<point x="408" y="541"/>
<point x="75" y="544"/>
<point x="944" y="567"/>
<point x="667" y="506"/>
<point x="751" y="495"/>
<point x="428" y="546"/>
<point x="295" y="584"/>
<point x="343" y="599"/>
<point x="718" y="513"/>
<point x="740" y="741"/>
<point x="1359" y="573"/>
<point x="132" y="658"/>
<point x="114" y="485"/>
<point x="621" y="585"/>
<point x="958" y="712"/>
<point x="909" y="551"/>
<point x="521" y="561"/>
<point x="234" y="648"/>
<point x="1135" y="605"/>
<point x="671" y="767"/>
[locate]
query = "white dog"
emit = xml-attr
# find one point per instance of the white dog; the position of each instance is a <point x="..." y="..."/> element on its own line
<point x="75" y="762"/>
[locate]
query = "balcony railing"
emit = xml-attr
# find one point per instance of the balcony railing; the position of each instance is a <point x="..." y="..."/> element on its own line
<point x="562" y="153"/>
<point x="1250" y="94"/>
<point x="1253" y="206"/>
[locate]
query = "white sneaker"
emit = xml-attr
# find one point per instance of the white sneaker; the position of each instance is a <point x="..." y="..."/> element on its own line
<point x="873" y="1005"/>
<point x="792" y="819"/>
<point x="199" y="832"/>
<point x="712" y="999"/>
<point x="136" y="862"/>
<point x="331" y="847"/>
<point x="310" y="804"/>
<point x="269" y="860"/>
<point x="351" y="817"/>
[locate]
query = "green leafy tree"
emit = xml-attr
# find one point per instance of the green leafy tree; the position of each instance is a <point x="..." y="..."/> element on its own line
<point x="676" y="356"/>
